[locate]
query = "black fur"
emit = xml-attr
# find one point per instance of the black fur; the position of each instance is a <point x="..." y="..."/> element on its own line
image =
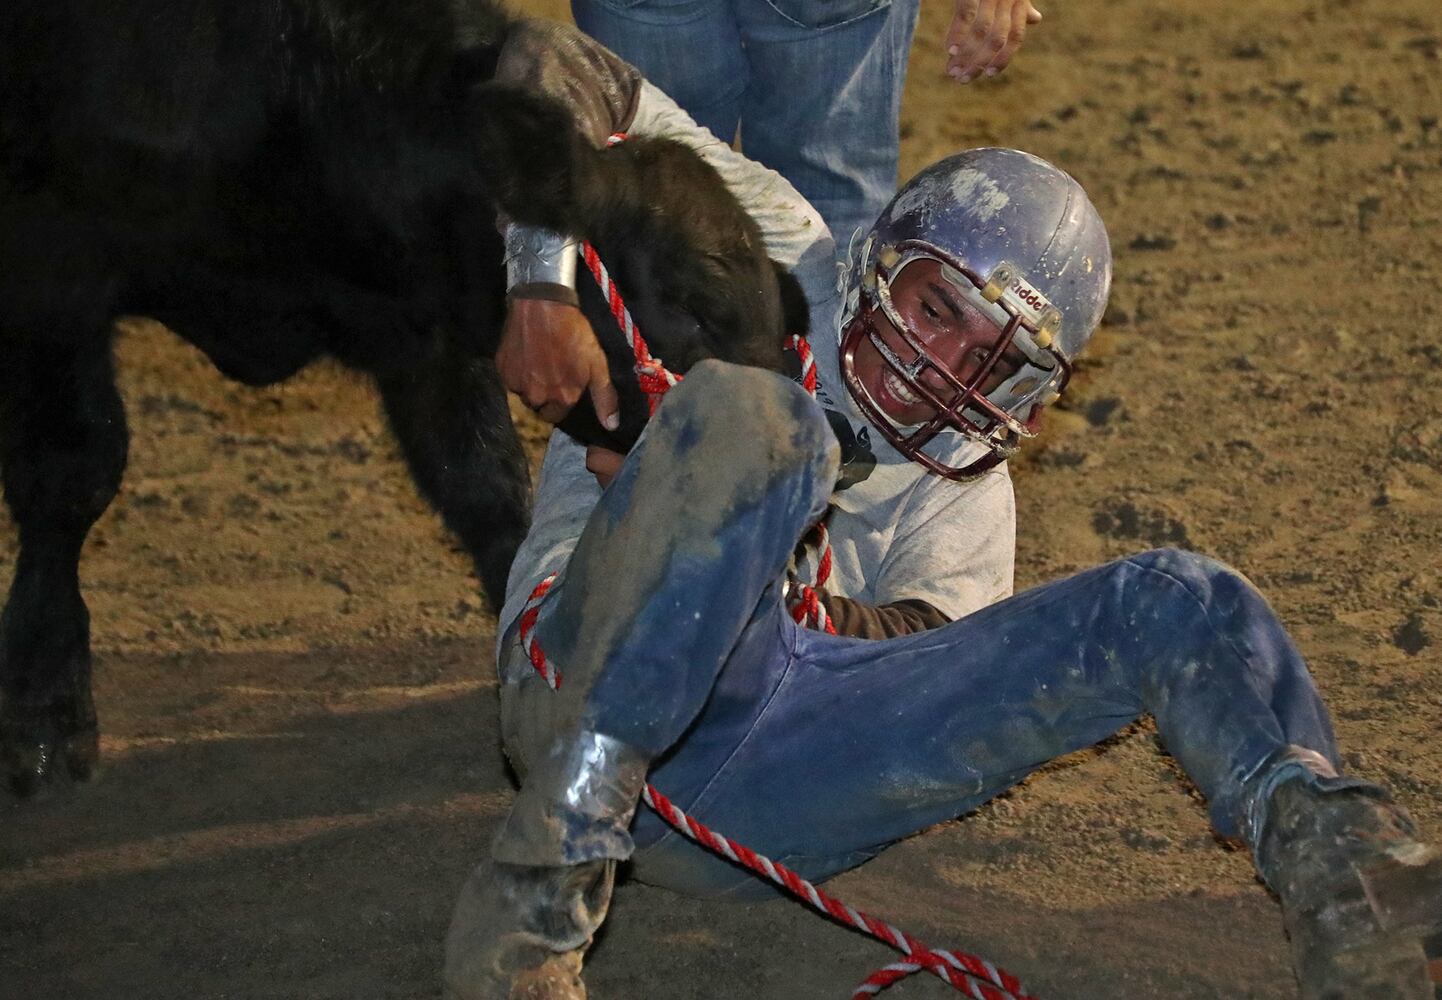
<point x="278" y="180"/>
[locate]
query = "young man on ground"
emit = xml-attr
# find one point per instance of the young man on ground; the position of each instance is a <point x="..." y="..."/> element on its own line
<point x="669" y="622"/>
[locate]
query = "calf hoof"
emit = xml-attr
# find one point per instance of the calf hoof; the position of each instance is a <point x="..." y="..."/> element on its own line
<point x="47" y="746"/>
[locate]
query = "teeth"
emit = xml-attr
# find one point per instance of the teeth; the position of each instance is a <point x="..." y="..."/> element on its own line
<point x="900" y="389"/>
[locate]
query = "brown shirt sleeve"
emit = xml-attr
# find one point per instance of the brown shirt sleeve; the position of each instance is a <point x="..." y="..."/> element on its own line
<point x="600" y="89"/>
<point x="881" y="621"/>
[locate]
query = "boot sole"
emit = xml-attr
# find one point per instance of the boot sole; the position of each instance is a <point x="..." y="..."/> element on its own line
<point x="1405" y="893"/>
<point x="1369" y="945"/>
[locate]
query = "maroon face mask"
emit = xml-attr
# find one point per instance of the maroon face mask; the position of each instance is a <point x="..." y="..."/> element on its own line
<point x="935" y="347"/>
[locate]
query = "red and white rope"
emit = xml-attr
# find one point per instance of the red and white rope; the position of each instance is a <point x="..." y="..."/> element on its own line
<point x="967" y="973"/>
<point x="803" y="600"/>
<point x="650" y="372"/>
<point x="652" y="375"/>
<point x="802" y="348"/>
<point x="529" y="613"/>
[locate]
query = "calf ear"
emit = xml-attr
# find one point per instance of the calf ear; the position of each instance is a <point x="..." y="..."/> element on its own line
<point x="795" y="312"/>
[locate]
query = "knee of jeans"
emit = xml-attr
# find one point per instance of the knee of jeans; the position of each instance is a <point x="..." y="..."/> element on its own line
<point x="1197" y="572"/>
<point x="768" y="417"/>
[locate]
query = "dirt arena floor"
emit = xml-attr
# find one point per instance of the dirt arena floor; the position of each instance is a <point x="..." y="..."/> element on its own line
<point x="293" y="665"/>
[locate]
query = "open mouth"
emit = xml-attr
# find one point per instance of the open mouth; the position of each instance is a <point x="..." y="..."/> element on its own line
<point x="899" y="389"/>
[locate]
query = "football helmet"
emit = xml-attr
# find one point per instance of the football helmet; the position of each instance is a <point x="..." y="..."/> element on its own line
<point x="1020" y="241"/>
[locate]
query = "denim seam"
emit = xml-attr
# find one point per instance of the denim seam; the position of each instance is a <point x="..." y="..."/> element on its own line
<point x="642" y="12"/>
<point x="884" y="5"/>
<point x="721" y="768"/>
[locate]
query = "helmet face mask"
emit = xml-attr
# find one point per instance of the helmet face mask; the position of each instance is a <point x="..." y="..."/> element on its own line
<point x="1023" y="281"/>
<point x="979" y="394"/>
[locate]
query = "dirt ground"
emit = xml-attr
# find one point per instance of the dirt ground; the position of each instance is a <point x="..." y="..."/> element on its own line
<point x="293" y="669"/>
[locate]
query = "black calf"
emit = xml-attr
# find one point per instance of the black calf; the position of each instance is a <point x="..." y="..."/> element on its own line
<point x="282" y="180"/>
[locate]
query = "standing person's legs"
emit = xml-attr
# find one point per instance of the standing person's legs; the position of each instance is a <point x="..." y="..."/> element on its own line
<point x="823" y="104"/>
<point x="683" y="549"/>
<point x="691" y="49"/>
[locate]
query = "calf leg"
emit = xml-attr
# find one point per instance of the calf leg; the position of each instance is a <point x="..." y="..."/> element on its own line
<point x="63" y="444"/>
<point x="448" y="410"/>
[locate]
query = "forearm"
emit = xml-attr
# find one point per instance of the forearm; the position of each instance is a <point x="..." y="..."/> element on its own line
<point x="599" y="88"/>
<point x="881" y="621"/>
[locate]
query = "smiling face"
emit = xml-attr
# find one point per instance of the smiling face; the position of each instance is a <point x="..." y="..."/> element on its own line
<point x="955" y="329"/>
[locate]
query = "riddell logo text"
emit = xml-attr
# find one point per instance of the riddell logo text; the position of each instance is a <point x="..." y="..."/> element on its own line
<point x="1029" y="295"/>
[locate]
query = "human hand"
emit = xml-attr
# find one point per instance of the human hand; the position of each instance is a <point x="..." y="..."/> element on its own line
<point x="603" y="463"/>
<point x="984" y="35"/>
<point x="549" y="356"/>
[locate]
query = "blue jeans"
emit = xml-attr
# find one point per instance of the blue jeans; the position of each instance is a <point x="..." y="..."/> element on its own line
<point x="813" y="85"/>
<point x="820" y="750"/>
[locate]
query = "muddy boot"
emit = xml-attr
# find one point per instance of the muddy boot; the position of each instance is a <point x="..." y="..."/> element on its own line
<point x="526" y="915"/>
<point x="519" y="931"/>
<point x="1359" y="892"/>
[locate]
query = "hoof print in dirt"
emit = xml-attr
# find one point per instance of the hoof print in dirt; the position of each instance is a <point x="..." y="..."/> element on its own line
<point x="1100" y="412"/>
<point x="1060" y="458"/>
<point x="1411" y="636"/>
<point x="1153" y="241"/>
<point x="1153" y="528"/>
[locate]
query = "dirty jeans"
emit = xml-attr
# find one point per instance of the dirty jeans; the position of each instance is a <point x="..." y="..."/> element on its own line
<point x="815" y="85"/>
<point x="819" y="750"/>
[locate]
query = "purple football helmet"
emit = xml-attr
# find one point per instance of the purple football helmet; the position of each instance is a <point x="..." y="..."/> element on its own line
<point x="1023" y="241"/>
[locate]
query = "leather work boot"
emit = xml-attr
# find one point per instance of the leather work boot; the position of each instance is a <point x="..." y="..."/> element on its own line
<point x="1359" y="892"/>
<point x="519" y="931"/>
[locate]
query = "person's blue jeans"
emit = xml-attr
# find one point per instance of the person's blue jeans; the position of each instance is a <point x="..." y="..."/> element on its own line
<point x="820" y="750"/>
<point x="813" y="85"/>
